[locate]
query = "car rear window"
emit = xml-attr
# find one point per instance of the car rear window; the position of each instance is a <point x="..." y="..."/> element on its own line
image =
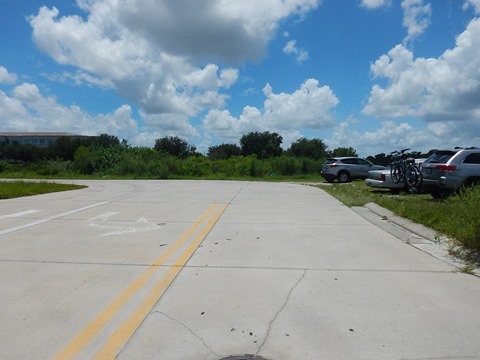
<point x="440" y="157"/>
<point x="330" y="161"/>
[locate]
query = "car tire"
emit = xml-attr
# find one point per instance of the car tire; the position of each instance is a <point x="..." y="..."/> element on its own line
<point x="438" y="194"/>
<point x="343" y="177"/>
<point x="468" y="184"/>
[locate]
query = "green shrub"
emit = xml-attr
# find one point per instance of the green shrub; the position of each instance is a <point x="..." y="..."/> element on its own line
<point x="4" y="166"/>
<point x="84" y="159"/>
<point x="287" y="166"/>
<point x="52" y="167"/>
<point x="195" y="166"/>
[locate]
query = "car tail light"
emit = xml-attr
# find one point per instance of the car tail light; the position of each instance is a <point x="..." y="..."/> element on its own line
<point x="333" y="165"/>
<point x="446" y="167"/>
<point x="382" y="177"/>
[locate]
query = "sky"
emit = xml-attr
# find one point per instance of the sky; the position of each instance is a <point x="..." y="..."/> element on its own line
<point x="374" y="75"/>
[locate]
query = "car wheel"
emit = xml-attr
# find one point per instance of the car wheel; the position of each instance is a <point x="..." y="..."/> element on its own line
<point x="343" y="177"/>
<point x="468" y="184"/>
<point x="437" y="194"/>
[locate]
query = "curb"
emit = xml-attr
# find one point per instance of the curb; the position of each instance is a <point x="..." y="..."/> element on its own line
<point x="409" y="225"/>
<point x="416" y="235"/>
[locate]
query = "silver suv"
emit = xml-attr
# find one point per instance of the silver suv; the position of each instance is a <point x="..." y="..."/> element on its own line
<point x="446" y="171"/>
<point x="344" y="169"/>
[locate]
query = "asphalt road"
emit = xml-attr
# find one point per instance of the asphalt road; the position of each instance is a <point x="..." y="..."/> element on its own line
<point x="205" y="270"/>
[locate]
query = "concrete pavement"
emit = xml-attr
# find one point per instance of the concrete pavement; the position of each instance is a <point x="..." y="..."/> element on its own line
<point x="207" y="270"/>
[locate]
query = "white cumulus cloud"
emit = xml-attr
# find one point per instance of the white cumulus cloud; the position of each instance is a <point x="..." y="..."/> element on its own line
<point x="168" y="57"/>
<point x="444" y="92"/>
<point x="389" y="136"/>
<point x="309" y="107"/>
<point x="416" y="18"/>
<point x="472" y="3"/>
<point x="27" y="109"/>
<point x="291" y="48"/>
<point x="433" y="89"/>
<point x="374" y="4"/>
<point x="6" y="77"/>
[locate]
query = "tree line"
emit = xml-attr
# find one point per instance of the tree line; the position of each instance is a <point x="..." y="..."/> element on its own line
<point x="259" y="154"/>
<point x="261" y="144"/>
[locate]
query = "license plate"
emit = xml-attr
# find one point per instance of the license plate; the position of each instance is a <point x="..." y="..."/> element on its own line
<point x="427" y="170"/>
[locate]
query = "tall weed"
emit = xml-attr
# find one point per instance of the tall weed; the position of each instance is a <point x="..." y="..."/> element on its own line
<point x="463" y="209"/>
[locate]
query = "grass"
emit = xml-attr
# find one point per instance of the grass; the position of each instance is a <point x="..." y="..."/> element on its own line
<point x="14" y="189"/>
<point x="455" y="216"/>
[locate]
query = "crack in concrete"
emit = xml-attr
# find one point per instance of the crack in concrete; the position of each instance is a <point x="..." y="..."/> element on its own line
<point x="189" y="330"/>
<point x="280" y="310"/>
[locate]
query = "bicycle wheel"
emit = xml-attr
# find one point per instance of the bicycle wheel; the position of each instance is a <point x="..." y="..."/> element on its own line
<point x="396" y="173"/>
<point x="413" y="176"/>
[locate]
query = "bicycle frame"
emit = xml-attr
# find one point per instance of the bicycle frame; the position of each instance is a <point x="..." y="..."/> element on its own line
<point x="404" y="170"/>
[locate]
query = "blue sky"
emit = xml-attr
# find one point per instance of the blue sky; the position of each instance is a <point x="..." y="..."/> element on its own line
<point x="376" y="75"/>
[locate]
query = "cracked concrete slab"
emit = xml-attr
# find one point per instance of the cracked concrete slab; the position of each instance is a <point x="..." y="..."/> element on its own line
<point x="382" y="315"/>
<point x="230" y="310"/>
<point x="270" y="325"/>
<point x="188" y="329"/>
<point x="286" y="272"/>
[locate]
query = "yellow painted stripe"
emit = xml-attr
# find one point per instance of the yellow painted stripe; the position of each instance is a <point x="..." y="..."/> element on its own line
<point x="125" y="331"/>
<point x="86" y="335"/>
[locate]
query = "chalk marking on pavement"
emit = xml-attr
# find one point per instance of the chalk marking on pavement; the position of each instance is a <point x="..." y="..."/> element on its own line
<point x="86" y="335"/>
<point x="19" y="214"/>
<point x="41" y="221"/>
<point x="125" y="331"/>
<point x="122" y="227"/>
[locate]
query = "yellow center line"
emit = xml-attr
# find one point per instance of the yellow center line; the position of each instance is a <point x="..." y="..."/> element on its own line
<point x="86" y="335"/>
<point x="125" y="331"/>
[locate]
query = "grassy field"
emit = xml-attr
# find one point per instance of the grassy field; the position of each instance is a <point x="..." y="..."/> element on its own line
<point x="13" y="189"/>
<point x="455" y="216"/>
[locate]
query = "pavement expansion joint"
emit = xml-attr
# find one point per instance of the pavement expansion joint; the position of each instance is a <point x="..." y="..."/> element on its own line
<point x="59" y="262"/>
<point x="318" y="269"/>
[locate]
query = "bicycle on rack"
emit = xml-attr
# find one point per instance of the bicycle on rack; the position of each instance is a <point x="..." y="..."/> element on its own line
<point x="404" y="170"/>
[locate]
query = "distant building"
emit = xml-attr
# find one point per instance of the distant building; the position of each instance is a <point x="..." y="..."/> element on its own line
<point x="40" y="139"/>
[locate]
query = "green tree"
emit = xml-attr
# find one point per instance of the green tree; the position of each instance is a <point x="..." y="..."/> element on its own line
<point x="65" y="147"/>
<point x="263" y="145"/>
<point x="21" y="152"/>
<point x="84" y="160"/>
<point x="105" y="140"/>
<point x="313" y="148"/>
<point x="379" y="159"/>
<point x="223" y="151"/>
<point x="344" y="151"/>
<point x="175" y="146"/>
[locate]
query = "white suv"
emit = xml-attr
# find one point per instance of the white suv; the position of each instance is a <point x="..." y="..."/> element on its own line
<point x="446" y="171"/>
<point x="346" y="168"/>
